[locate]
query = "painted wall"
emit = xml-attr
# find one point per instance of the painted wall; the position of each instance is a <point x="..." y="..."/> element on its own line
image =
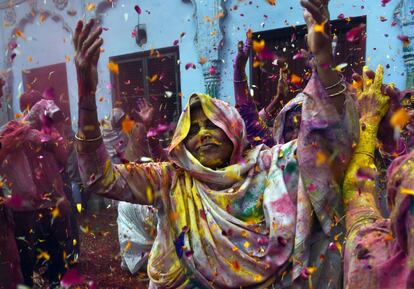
<point x="49" y="43"/>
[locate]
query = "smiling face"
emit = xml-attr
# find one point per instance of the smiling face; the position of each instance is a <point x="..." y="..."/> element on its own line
<point x="208" y="143"/>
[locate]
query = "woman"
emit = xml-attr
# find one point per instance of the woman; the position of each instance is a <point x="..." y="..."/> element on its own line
<point x="379" y="252"/>
<point x="229" y="217"/>
<point x="286" y="125"/>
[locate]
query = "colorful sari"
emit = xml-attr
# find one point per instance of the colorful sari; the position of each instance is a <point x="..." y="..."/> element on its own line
<point x="381" y="252"/>
<point x="247" y="225"/>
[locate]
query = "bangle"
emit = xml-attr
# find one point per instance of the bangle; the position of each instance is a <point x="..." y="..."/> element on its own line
<point x="367" y="154"/>
<point x="335" y="84"/>
<point x="240" y="80"/>
<point x="88" y="139"/>
<point x="344" y="88"/>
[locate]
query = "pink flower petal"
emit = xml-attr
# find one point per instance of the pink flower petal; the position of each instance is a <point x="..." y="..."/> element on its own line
<point x="138" y="9"/>
<point x="385" y="2"/>
<point x="71" y="277"/>
<point x="190" y="65"/>
<point x="355" y="34"/>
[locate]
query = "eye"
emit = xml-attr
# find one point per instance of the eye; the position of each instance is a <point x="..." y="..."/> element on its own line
<point x="194" y="129"/>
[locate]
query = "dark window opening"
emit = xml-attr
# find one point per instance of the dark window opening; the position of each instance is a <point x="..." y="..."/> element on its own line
<point x="153" y="75"/>
<point x="287" y="42"/>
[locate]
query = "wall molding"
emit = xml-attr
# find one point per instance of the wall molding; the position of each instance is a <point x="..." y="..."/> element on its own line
<point x="209" y="39"/>
<point x="405" y="19"/>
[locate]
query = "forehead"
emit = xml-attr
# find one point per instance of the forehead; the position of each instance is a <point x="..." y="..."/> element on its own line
<point x="197" y="114"/>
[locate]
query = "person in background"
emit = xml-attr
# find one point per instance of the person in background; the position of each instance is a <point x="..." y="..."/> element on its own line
<point x="10" y="272"/>
<point x="379" y="252"/>
<point x="33" y="155"/>
<point x="137" y="224"/>
<point x="256" y="122"/>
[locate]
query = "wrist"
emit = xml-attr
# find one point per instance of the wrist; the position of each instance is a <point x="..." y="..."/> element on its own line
<point x="324" y="58"/>
<point x="239" y="76"/>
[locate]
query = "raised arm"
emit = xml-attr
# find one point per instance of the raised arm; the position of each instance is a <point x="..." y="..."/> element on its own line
<point x="329" y="124"/>
<point x="129" y="182"/>
<point x="359" y="184"/>
<point x="269" y="112"/>
<point x="146" y="114"/>
<point x="257" y="130"/>
<point x="319" y="41"/>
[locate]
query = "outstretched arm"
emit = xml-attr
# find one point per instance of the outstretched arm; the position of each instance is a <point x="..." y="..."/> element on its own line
<point x="328" y="130"/>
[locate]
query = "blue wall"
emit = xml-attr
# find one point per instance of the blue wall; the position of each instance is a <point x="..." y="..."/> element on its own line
<point x="49" y="43"/>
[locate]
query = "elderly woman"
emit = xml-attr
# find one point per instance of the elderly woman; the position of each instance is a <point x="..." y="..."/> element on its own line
<point x="229" y="217"/>
<point x="379" y="251"/>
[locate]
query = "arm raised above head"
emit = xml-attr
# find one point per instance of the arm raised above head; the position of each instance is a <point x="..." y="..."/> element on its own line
<point x="257" y="130"/>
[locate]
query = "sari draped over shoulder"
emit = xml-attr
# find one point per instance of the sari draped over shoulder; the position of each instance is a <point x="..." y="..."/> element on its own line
<point x="241" y="226"/>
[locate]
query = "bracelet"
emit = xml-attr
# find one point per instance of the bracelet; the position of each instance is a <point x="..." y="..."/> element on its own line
<point x="88" y="139"/>
<point x="367" y="154"/>
<point x="336" y="84"/>
<point x="339" y="92"/>
<point x="240" y="80"/>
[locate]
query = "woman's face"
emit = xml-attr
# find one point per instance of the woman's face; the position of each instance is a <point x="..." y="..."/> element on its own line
<point x="207" y="142"/>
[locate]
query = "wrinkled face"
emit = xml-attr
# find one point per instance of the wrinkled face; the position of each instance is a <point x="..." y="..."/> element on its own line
<point x="292" y="124"/>
<point x="207" y="142"/>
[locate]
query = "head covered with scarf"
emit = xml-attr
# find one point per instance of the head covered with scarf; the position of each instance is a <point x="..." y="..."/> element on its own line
<point x="287" y="122"/>
<point x="234" y="225"/>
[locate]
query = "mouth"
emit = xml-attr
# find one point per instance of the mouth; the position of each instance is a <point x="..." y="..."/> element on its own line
<point x="207" y="146"/>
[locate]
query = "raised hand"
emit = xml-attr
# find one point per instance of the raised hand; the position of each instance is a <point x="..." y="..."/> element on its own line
<point x="87" y="48"/>
<point x="282" y="83"/>
<point x="316" y="16"/>
<point x="373" y="104"/>
<point x="243" y="53"/>
<point x="145" y="112"/>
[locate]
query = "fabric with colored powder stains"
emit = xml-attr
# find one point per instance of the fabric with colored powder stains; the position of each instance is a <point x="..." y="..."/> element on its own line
<point x="31" y="164"/>
<point x="238" y="226"/>
<point x="380" y="253"/>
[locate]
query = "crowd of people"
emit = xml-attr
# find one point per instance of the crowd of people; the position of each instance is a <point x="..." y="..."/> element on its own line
<point x="242" y="198"/>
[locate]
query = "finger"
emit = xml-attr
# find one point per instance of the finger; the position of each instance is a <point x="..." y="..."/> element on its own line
<point x="379" y="74"/>
<point x="367" y="78"/>
<point x="357" y="82"/>
<point x="85" y="33"/>
<point x="392" y="92"/>
<point x="94" y="49"/>
<point x="78" y="30"/>
<point x="314" y="11"/>
<point x="91" y="39"/>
